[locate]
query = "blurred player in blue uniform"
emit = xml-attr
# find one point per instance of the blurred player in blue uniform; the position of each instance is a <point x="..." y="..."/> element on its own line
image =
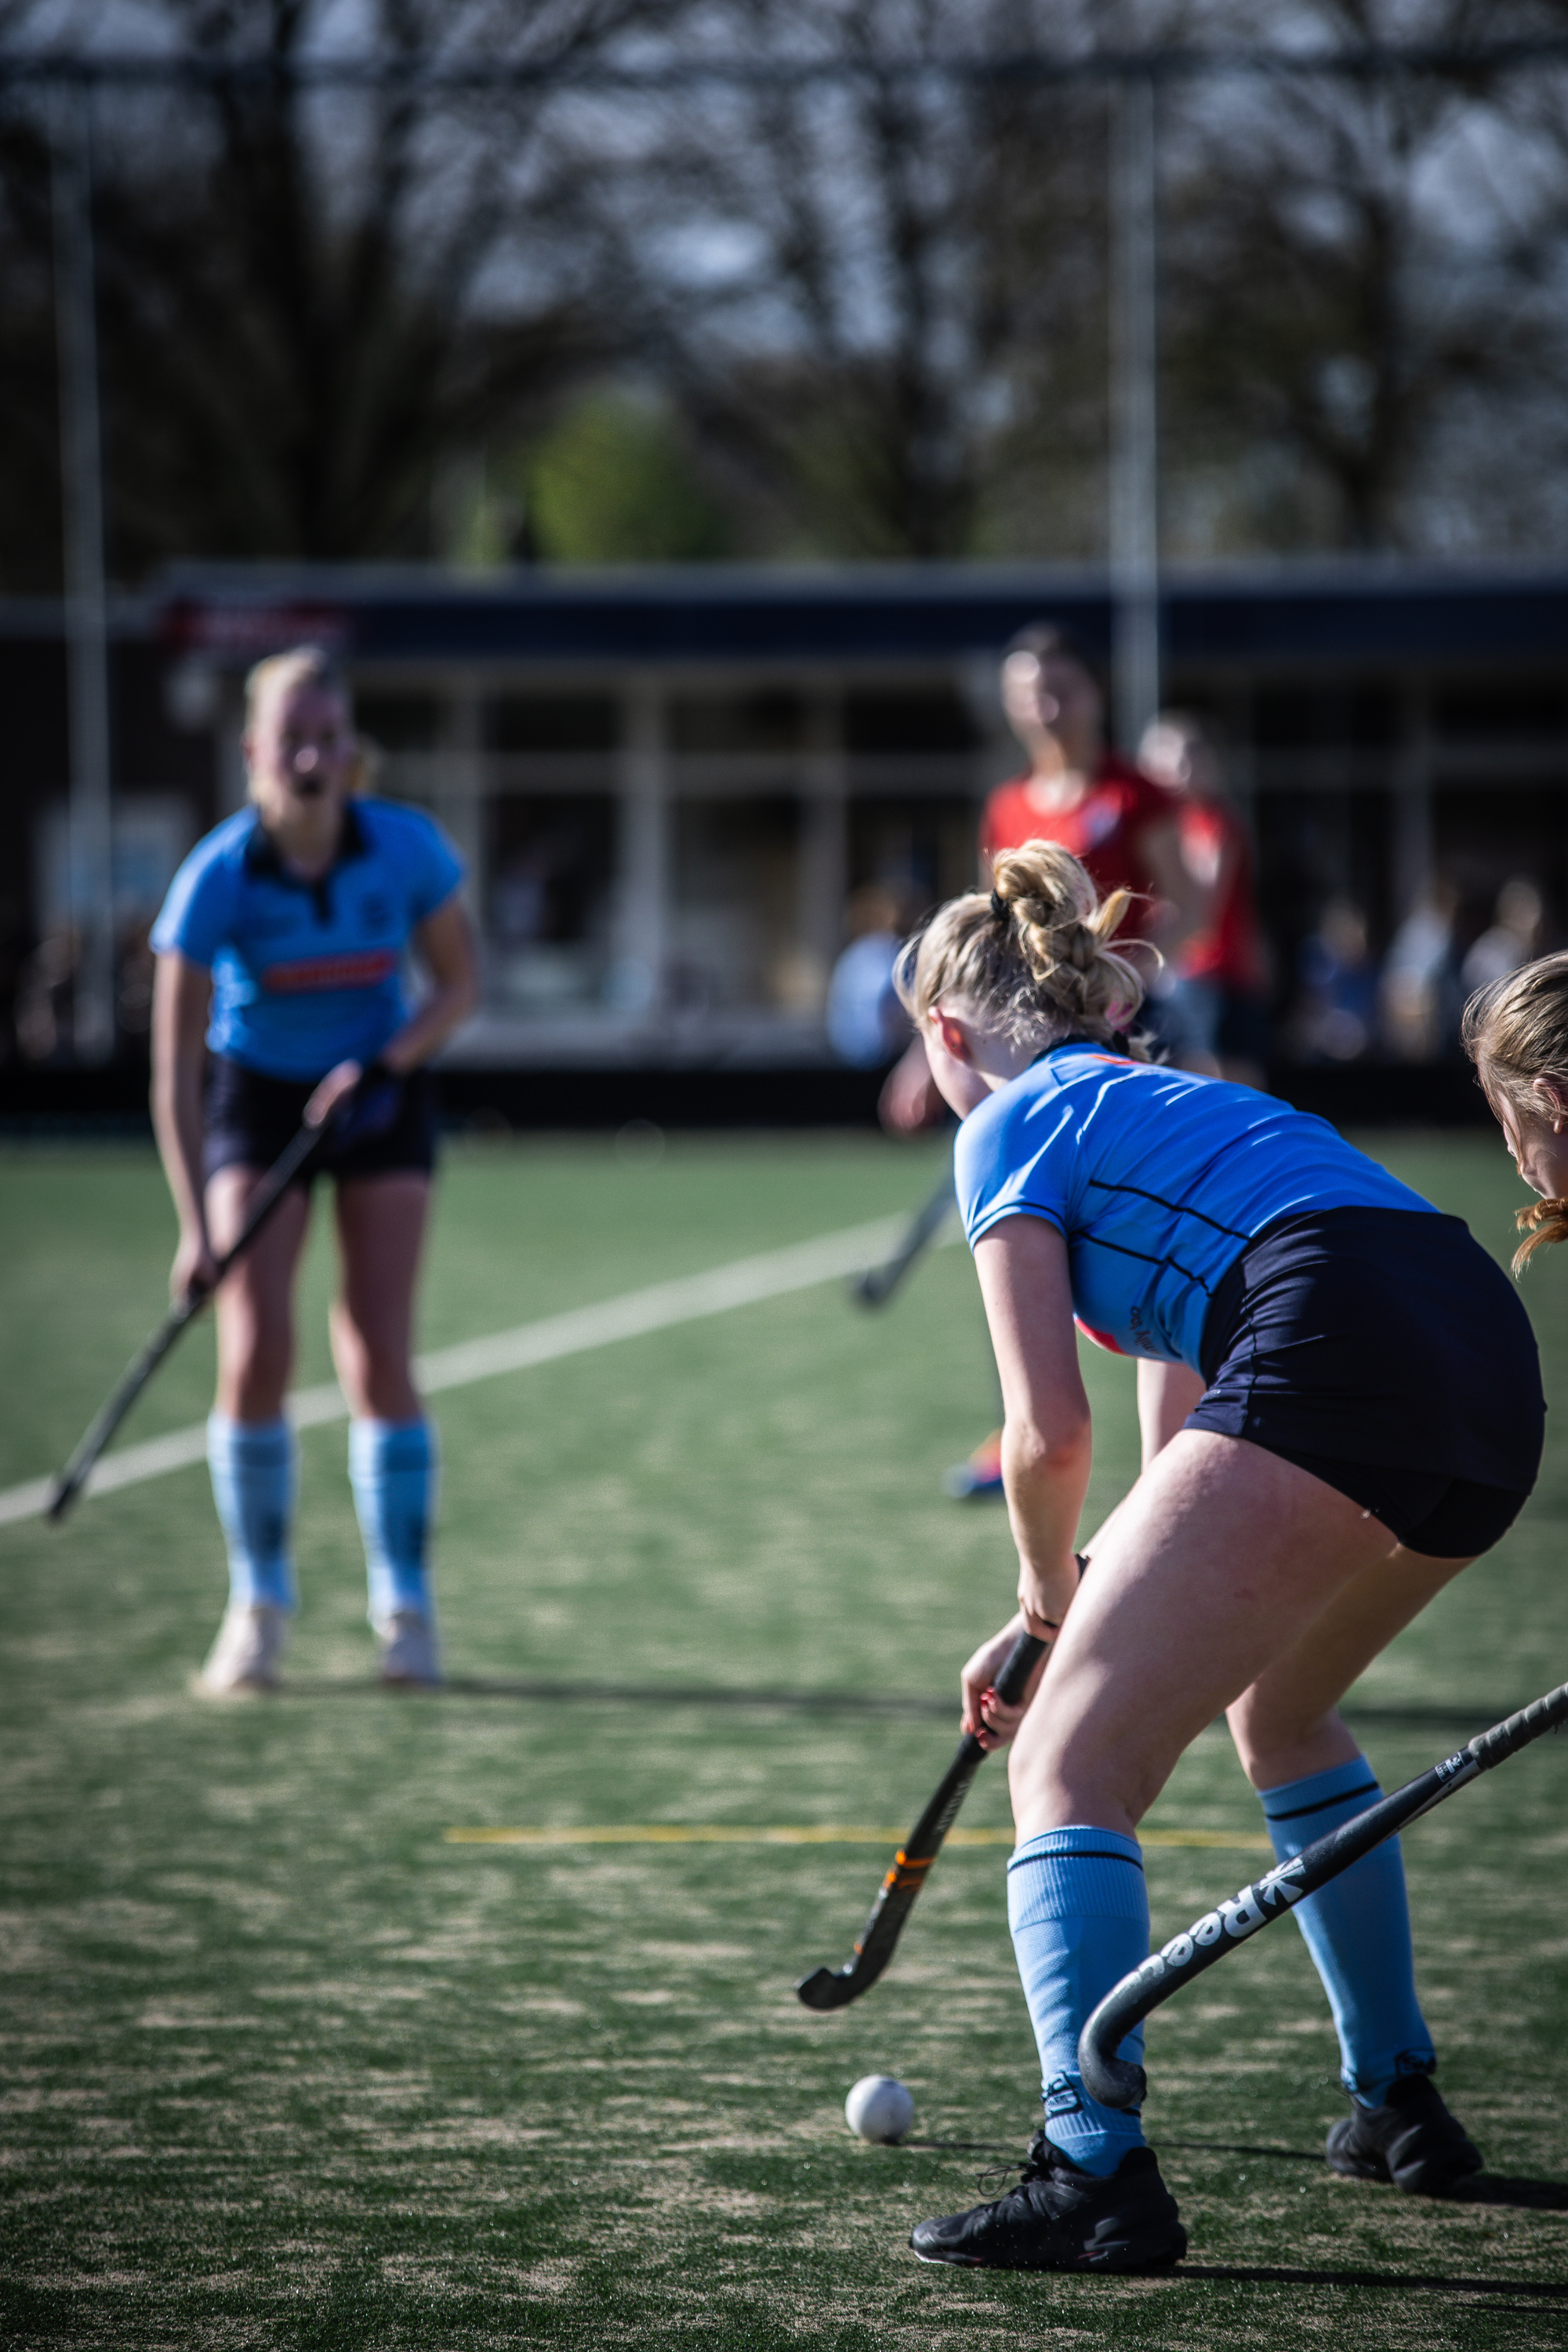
<point x="282" y="951"/>
<point x="1340" y="1407"/>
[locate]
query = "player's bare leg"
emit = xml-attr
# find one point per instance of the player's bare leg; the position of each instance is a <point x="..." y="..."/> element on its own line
<point x="381" y="1222"/>
<point x="1218" y="1562"/>
<point x="1231" y="1574"/>
<point x="1312" y="1778"/>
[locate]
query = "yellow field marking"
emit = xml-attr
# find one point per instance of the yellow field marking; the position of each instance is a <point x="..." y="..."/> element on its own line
<point x="735" y="1833"/>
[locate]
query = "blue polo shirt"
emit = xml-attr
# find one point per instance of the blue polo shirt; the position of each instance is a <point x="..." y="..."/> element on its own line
<point x="1157" y="1180"/>
<point x="308" y="974"/>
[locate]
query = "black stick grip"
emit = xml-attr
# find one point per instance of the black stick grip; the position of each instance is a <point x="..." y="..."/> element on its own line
<point x="1118" y="2081"/>
<point x="1016" y="1667"/>
<point x="924" y="1839"/>
<point x="1517" y="1732"/>
<point x="938" y="1818"/>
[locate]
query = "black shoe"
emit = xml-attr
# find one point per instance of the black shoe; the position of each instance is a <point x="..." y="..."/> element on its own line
<point x="1411" y="2139"/>
<point x="1060" y="2217"/>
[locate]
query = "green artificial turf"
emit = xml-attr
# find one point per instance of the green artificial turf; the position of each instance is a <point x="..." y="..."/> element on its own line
<point x="285" y="2067"/>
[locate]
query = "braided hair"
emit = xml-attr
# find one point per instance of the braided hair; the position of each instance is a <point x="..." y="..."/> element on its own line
<point x="1034" y="957"/>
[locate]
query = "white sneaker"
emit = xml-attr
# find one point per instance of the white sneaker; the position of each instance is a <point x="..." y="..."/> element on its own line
<point x="245" y="1657"/>
<point x="410" y="1659"/>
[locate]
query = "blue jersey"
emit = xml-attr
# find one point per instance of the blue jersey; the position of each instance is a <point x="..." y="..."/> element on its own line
<point x="1157" y="1180"/>
<point x="307" y="974"/>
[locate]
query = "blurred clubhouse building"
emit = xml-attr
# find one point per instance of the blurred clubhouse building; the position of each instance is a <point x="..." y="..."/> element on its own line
<point x="667" y="782"/>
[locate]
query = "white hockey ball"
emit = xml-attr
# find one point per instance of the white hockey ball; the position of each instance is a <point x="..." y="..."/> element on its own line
<point x="880" y="2108"/>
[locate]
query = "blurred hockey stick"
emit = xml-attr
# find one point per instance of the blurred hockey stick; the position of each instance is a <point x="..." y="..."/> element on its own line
<point x="878" y="1284"/>
<point x="364" y="1101"/>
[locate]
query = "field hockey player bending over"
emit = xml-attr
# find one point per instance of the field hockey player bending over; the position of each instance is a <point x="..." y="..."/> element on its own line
<point x="1341" y="1406"/>
<point x="281" y="952"/>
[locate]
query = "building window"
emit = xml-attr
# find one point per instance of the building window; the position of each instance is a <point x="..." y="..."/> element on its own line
<point x="551" y="868"/>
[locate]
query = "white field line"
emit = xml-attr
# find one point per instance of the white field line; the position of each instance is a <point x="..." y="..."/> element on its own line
<point x="742" y="1284"/>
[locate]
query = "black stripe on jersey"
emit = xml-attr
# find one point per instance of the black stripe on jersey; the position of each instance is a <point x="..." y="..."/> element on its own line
<point x="1083" y="1235"/>
<point x="1177" y="1208"/>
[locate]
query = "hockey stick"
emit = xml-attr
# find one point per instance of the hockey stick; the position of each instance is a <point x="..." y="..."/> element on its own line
<point x="145" y="1363"/>
<point x="1117" y="2082"/>
<point x="878" y="1284"/>
<point x="828" y="1988"/>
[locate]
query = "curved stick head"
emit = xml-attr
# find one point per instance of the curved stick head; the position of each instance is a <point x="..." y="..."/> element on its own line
<point x="1114" y="2082"/>
<point x="828" y="1989"/>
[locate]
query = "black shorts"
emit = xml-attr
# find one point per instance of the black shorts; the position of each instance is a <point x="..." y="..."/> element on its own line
<point x="1385" y="1352"/>
<point x="249" y="1120"/>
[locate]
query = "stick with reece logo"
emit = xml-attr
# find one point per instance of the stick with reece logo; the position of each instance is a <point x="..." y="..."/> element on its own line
<point x="1118" y="2081"/>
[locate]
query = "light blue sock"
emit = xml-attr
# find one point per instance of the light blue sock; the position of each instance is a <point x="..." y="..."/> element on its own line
<point x="1079" y="1910"/>
<point x="1358" y="1932"/>
<point x="252" y="1466"/>
<point x="391" y="1469"/>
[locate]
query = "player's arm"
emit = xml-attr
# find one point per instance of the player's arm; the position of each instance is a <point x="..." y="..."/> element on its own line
<point x="1190" y="901"/>
<point x="182" y="993"/>
<point x="444" y="942"/>
<point x="1227" y="866"/>
<point x="1046" y="1442"/>
<point x="909" y="1100"/>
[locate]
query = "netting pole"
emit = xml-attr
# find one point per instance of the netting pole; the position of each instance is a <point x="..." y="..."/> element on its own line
<point x="90" y="858"/>
<point x="1134" y="409"/>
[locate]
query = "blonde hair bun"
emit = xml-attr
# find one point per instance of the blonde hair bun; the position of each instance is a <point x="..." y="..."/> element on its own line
<point x="1036" y="958"/>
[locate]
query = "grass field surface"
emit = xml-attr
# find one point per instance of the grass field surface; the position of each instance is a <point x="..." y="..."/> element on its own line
<point x="287" y="2063"/>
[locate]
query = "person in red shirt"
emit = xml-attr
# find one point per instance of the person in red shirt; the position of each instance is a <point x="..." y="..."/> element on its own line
<point x="1116" y="820"/>
<point x="1120" y="825"/>
<point x="1224" y="964"/>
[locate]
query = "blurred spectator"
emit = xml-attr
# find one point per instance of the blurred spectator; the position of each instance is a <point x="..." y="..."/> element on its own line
<point x="1519" y="920"/>
<point x="1336" y="1012"/>
<point x="134" y="970"/>
<point x="867" y="1025"/>
<point x="45" y="994"/>
<point x="1420" y="994"/>
<point x="520" y="900"/>
<point x="1222" y="966"/>
<point x="12" y="956"/>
